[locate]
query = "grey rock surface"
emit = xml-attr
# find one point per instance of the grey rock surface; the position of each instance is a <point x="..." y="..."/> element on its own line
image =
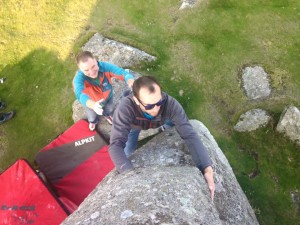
<point x="115" y="52"/>
<point x="78" y="111"/>
<point x="230" y="200"/>
<point x="256" y="83"/>
<point x="252" y="120"/>
<point x="295" y="199"/>
<point x="289" y="123"/>
<point x="166" y="188"/>
<point x="188" y="3"/>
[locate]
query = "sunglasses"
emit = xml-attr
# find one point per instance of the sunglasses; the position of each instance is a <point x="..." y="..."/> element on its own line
<point x="151" y="106"/>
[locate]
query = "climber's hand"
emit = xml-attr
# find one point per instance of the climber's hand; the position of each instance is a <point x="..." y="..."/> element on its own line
<point x="209" y="177"/>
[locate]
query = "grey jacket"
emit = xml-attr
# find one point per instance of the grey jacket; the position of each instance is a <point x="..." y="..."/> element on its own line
<point x="129" y="115"/>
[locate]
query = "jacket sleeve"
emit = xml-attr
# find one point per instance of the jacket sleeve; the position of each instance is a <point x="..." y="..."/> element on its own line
<point x="187" y="133"/>
<point x="115" y="71"/>
<point x="122" y="120"/>
<point x="78" y="86"/>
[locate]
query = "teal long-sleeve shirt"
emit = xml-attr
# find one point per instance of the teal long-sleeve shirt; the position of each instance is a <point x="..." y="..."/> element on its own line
<point x="86" y="88"/>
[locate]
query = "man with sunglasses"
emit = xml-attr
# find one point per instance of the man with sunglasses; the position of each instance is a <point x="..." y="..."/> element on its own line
<point x="148" y="107"/>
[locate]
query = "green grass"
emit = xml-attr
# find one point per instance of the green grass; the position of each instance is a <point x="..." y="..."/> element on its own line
<point x="200" y="51"/>
<point x="36" y="88"/>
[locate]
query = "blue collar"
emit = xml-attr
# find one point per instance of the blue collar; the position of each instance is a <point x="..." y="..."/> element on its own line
<point x="149" y="117"/>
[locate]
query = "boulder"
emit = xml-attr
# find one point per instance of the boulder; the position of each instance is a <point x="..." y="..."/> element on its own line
<point x="256" y="83"/>
<point x="166" y="188"/>
<point x="78" y="111"/>
<point x="295" y="199"/>
<point x="289" y="123"/>
<point x="109" y="50"/>
<point x="252" y="120"/>
<point x="188" y="4"/>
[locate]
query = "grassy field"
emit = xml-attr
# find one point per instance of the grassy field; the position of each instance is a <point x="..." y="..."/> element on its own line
<point x="200" y="51"/>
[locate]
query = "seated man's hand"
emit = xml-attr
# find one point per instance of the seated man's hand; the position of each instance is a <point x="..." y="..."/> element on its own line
<point x="209" y="177"/>
<point x="130" y="83"/>
<point x="98" y="107"/>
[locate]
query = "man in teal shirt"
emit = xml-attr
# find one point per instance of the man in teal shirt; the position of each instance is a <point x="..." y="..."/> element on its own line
<point x="92" y="85"/>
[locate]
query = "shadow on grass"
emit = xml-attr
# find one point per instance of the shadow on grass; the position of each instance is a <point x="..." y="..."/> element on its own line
<point x="38" y="89"/>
